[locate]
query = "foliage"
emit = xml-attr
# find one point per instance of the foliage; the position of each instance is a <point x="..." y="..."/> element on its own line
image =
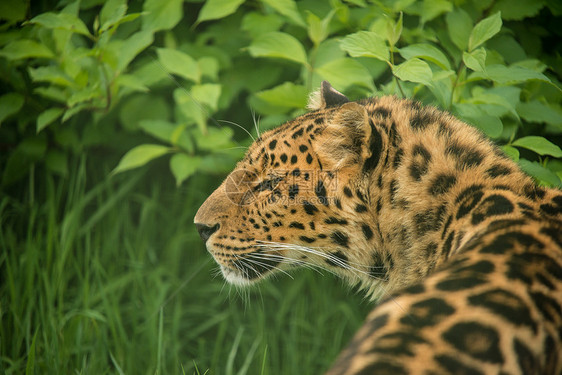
<point x="79" y="76"/>
<point x="95" y="94"/>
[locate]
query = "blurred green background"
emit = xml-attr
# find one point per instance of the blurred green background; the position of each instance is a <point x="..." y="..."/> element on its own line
<point x="118" y="118"/>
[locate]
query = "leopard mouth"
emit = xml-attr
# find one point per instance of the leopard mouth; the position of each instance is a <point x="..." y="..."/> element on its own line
<point x="245" y="269"/>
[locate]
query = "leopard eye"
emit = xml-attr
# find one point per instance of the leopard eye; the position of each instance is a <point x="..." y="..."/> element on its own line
<point x="268" y="184"/>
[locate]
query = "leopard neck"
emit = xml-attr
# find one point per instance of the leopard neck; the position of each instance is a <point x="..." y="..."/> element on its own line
<point x="438" y="184"/>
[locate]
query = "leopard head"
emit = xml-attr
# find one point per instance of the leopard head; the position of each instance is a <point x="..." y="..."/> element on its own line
<point x="299" y="197"/>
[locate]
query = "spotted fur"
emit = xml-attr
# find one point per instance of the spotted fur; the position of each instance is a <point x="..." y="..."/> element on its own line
<point x="461" y="248"/>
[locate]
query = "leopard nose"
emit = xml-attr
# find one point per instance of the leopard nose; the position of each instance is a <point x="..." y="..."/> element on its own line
<point x="205" y="231"/>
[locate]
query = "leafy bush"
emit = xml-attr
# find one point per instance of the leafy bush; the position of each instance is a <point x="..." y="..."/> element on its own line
<point x="79" y="76"/>
<point x="96" y="86"/>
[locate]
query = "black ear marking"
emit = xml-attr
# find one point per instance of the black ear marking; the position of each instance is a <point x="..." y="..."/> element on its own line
<point x="331" y="97"/>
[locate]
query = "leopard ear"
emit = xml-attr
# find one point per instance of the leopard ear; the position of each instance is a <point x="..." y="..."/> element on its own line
<point x="346" y="138"/>
<point x="326" y="97"/>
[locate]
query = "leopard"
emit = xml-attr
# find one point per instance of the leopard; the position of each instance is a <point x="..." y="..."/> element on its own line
<point x="459" y="249"/>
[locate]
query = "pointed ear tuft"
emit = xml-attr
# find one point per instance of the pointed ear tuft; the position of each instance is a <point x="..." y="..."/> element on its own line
<point x="326" y="97"/>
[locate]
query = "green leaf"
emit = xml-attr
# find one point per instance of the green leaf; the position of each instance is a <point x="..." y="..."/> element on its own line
<point x="111" y="12"/>
<point x="540" y="145"/>
<point x="63" y="21"/>
<point x="539" y="172"/>
<point x="518" y="10"/>
<point x="126" y="50"/>
<point x="209" y="67"/>
<point x="509" y="75"/>
<point x="160" y="129"/>
<point x="215" y="9"/>
<point x="50" y="73"/>
<point x="179" y="63"/>
<point x="287" y="95"/>
<point x="47" y="117"/>
<point x="536" y="111"/>
<point x="512" y="152"/>
<point x="195" y="105"/>
<point x="414" y="70"/>
<point x="459" y="25"/>
<point x="214" y="139"/>
<point x="367" y="44"/>
<point x="484" y="30"/>
<point x="288" y="8"/>
<point x="13" y="10"/>
<point x="476" y="115"/>
<point x="9" y="104"/>
<point x="131" y="82"/>
<point x="427" y="52"/>
<point x="208" y="93"/>
<point x="318" y="29"/>
<point x="183" y="166"/>
<point x="475" y="60"/>
<point x="433" y="8"/>
<point x="394" y="30"/>
<point x="257" y="24"/>
<point x="25" y="49"/>
<point x="139" y="156"/>
<point x="344" y="72"/>
<point x="161" y="14"/>
<point x="140" y="107"/>
<point x="278" y="45"/>
<point x="487" y="98"/>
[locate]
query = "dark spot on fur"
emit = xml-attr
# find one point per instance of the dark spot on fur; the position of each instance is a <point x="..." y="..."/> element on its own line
<point x="448" y="244"/>
<point x="503" y="303"/>
<point x="468" y="199"/>
<point x="298" y="133"/>
<point x="296" y="224"/>
<point x="464" y="157"/>
<point x="307" y="239"/>
<point x="477" y="340"/>
<point x="376" y="149"/>
<point x="534" y="192"/>
<point x="453" y="365"/>
<point x="441" y="184"/>
<point x="309" y="208"/>
<point x="293" y="191"/>
<point x="427" y="313"/>
<point x="335" y="220"/>
<point x="320" y="191"/>
<point x="340" y="260"/>
<point x="497" y="170"/>
<point x="367" y="231"/>
<point x="397" y="158"/>
<point x="340" y="238"/>
<point x="492" y="206"/>
<point x="420" y="164"/>
<point x="360" y="208"/>
<point x="420" y="120"/>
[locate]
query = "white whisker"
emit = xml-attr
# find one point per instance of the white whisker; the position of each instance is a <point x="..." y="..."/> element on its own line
<point x="256" y="123"/>
<point x="240" y="126"/>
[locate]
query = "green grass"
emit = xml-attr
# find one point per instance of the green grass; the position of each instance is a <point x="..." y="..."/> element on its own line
<point x="108" y="276"/>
